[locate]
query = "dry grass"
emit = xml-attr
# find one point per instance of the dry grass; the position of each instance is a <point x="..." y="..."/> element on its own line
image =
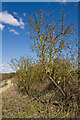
<point x="5" y="76"/>
<point x="17" y="105"/>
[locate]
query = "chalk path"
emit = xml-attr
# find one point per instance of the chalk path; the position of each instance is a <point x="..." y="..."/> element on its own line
<point x="6" y="87"/>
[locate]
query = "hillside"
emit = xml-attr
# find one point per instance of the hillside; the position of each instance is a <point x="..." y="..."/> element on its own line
<point x="4" y="76"/>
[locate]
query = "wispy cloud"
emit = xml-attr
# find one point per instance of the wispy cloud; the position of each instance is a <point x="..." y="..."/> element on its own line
<point x="15" y="32"/>
<point x="15" y="13"/>
<point x="6" y="65"/>
<point x="22" y="24"/>
<point x="1" y="26"/>
<point x="7" y="18"/>
<point x="76" y="4"/>
<point x="24" y="14"/>
<point x="5" y="68"/>
<point x="63" y="1"/>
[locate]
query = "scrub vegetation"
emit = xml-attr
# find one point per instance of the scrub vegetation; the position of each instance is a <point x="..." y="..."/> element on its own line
<point x="47" y="87"/>
<point x="4" y="76"/>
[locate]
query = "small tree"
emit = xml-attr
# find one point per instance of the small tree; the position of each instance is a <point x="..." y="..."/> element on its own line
<point x="50" y="39"/>
<point x="22" y="66"/>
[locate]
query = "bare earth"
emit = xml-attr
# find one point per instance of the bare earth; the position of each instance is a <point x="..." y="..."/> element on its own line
<point x="6" y="87"/>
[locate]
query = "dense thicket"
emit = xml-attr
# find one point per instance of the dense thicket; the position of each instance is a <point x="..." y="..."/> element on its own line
<point x="55" y="71"/>
<point x="32" y="79"/>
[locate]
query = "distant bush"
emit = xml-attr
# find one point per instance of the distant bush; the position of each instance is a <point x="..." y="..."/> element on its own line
<point x="5" y="76"/>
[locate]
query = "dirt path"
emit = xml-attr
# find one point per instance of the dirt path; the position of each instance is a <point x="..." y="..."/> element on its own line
<point x="7" y="86"/>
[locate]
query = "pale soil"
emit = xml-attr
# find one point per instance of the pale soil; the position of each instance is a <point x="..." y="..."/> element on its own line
<point x="10" y="84"/>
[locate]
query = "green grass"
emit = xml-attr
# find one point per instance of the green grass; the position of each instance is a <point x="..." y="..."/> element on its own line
<point x="5" y="84"/>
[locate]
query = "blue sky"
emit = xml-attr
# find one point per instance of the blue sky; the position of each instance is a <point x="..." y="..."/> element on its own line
<point x="15" y="35"/>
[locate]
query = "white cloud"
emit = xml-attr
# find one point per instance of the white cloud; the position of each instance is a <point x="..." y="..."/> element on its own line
<point x="7" y="65"/>
<point x="22" y="24"/>
<point x="24" y="14"/>
<point x="5" y="68"/>
<point x="1" y="26"/>
<point x="15" y="32"/>
<point x="7" y="18"/>
<point x="15" y="13"/>
<point x="64" y="0"/>
<point x="60" y="0"/>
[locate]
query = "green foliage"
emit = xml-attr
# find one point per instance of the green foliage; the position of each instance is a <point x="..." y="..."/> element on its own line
<point x="5" y="84"/>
